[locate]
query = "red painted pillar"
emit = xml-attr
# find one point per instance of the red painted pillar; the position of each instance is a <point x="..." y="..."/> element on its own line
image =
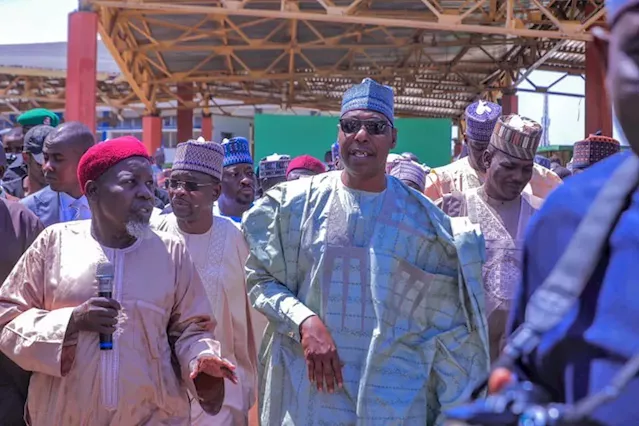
<point x="509" y="102"/>
<point x="152" y="132"/>
<point x="184" y="116"/>
<point x="596" y="100"/>
<point x="206" y="129"/>
<point x="81" y="69"/>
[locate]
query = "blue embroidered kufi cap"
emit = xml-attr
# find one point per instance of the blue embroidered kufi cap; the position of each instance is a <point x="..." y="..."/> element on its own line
<point x="237" y="151"/>
<point x="203" y="157"/>
<point x="615" y="7"/>
<point x="481" y="117"/>
<point x="371" y="96"/>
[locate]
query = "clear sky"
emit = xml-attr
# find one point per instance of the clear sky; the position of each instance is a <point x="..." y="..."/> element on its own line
<point x="42" y="21"/>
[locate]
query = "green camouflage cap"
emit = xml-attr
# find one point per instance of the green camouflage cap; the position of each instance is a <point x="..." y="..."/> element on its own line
<point x="37" y="116"/>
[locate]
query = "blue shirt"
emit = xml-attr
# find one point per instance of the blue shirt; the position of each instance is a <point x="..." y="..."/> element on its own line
<point x="72" y="208"/>
<point x="582" y="354"/>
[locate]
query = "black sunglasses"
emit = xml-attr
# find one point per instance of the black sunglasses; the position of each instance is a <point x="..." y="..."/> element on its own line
<point x="188" y="186"/>
<point x="373" y="127"/>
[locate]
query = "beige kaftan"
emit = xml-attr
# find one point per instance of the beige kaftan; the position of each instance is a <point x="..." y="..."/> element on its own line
<point x="220" y="255"/>
<point x="165" y="315"/>
<point x="503" y="267"/>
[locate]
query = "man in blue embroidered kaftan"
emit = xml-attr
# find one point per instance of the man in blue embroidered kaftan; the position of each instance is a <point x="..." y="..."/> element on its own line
<point x="375" y="305"/>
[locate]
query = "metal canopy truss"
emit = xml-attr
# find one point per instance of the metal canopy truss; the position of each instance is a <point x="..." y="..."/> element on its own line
<point x="439" y="55"/>
<point x="26" y="88"/>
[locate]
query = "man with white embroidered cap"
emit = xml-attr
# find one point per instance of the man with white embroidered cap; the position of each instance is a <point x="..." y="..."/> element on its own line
<point x="158" y="315"/>
<point x="468" y="172"/>
<point x="219" y="252"/>
<point x="370" y="293"/>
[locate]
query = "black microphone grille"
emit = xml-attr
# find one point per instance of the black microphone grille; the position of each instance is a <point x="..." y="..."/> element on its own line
<point x="105" y="269"/>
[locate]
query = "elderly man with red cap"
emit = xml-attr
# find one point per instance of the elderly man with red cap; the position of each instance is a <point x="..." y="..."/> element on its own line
<point x="106" y="358"/>
<point x="305" y="166"/>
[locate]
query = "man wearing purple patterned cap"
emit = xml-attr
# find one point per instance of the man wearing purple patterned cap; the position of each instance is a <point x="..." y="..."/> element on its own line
<point x="468" y="172"/>
<point x="371" y="294"/>
<point x="218" y="251"/>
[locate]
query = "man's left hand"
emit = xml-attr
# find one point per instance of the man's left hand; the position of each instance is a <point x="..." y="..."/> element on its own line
<point x="215" y="367"/>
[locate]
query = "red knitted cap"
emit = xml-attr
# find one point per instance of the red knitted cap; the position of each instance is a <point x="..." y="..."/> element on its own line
<point x="306" y="162"/>
<point x="101" y="157"/>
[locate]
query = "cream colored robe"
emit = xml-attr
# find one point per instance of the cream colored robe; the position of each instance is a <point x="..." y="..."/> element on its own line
<point x="220" y="255"/>
<point x="165" y="314"/>
<point x="502" y="269"/>
<point x="460" y="176"/>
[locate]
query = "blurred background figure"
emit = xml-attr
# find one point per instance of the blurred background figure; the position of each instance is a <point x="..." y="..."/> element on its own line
<point x="411" y="156"/>
<point x="410" y="173"/>
<point x="543" y="161"/>
<point x="593" y="149"/>
<point x="304" y="166"/>
<point x="273" y="170"/>
<point x="335" y="155"/>
<point x="33" y="157"/>
<point x="12" y="141"/>
<point x="36" y="117"/>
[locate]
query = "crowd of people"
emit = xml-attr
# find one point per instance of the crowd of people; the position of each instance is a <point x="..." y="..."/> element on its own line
<point x="365" y="289"/>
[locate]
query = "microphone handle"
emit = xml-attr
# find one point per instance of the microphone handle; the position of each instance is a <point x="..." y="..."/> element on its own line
<point x="106" y="340"/>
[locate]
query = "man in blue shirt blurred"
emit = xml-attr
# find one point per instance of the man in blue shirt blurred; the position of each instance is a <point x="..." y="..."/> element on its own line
<point x="582" y="354"/>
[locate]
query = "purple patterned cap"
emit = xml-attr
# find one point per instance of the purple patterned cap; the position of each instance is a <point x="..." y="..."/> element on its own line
<point x="405" y="169"/>
<point x="203" y="157"/>
<point x="481" y="117"/>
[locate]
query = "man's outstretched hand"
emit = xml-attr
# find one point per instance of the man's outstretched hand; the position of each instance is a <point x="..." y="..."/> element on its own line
<point x="215" y="367"/>
<point x="321" y="354"/>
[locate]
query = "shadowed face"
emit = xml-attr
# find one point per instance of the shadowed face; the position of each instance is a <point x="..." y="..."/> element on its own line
<point x="192" y="194"/>
<point x="239" y="183"/>
<point x="122" y="198"/>
<point x="622" y="75"/>
<point x="506" y="176"/>
<point x="365" y="139"/>
<point x="476" y="150"/>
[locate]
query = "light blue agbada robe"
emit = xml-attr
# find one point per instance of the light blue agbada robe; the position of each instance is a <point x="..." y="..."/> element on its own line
<point x="402" y="299"/>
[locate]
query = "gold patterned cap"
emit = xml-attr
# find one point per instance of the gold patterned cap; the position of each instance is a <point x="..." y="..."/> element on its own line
<point x="517" y="136"/>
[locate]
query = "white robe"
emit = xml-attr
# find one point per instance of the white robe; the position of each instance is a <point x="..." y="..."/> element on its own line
<point x="220" y="255"/>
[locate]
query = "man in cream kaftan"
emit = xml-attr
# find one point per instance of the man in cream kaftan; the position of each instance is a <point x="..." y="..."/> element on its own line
<point x="401" y="297"/>
<point x="502" y="216"/>
<point x="219" y="256"/>
<point x="51" y="314"/>
<point x="73" y="382"/>
<point x="503" y="225"/>
<point x="219" y="252"/>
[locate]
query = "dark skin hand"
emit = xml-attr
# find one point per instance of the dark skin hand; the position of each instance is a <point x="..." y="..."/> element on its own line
<point x="97" y="315"/>
<point x="320" y="351"/>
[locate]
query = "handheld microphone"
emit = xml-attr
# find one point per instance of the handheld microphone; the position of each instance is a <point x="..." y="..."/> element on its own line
<point x="104" y="275"/>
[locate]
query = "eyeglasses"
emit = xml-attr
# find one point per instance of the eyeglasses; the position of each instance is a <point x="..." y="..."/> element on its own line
<point x="373" y="127"/>
<point x="186" y="185"/>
